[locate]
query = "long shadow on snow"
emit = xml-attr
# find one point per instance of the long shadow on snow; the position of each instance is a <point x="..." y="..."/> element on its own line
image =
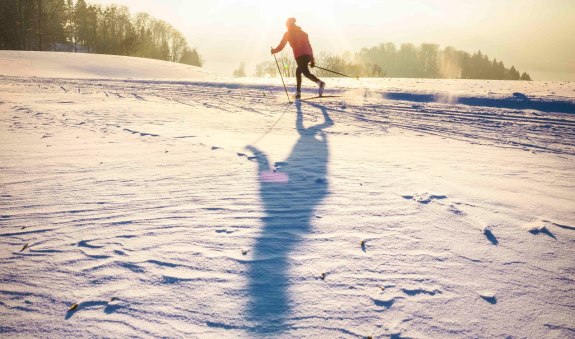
<point x="289" y="197"/>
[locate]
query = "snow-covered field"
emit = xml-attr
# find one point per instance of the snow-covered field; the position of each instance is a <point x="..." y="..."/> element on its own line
<point x="135" y="203"/>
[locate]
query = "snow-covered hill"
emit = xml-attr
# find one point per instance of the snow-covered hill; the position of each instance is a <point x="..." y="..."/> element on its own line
<point x="93" y="66"/>
<point x="212" y="208"/>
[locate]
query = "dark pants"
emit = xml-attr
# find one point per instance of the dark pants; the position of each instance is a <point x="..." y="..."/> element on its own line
<point x="302" y="62"/>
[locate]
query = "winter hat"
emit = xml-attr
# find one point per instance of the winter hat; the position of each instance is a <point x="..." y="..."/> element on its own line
<point x="290" y="22"/>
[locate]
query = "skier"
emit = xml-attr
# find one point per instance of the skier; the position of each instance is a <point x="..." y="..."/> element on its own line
<point x="302" y="52"/>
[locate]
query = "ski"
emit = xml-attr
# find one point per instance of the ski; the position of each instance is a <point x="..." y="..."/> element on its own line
<point x="319" y="97"/>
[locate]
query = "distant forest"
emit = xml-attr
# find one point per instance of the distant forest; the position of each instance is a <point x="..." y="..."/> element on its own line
<point x="66" y="25"/>
<point x="407" y="61"/>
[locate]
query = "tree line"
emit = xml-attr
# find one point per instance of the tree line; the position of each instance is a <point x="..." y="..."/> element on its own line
<point x="65" y="25"/>
<point x="407" y="61"/>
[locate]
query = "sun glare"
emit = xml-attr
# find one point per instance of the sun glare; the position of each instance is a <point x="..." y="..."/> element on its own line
<point x="304" y="10"/>
<point x="268" y="30"/>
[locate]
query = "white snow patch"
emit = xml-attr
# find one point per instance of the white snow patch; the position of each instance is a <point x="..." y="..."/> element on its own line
<point x="212" y="208"/>
<point x="93" y="66"/>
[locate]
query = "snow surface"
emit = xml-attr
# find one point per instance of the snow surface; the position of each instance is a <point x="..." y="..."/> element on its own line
<point x="97" y="66"/>
<point x="405" y="208"/>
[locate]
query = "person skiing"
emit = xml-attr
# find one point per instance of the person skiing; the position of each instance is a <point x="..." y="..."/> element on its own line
<point x="302" y="52"/>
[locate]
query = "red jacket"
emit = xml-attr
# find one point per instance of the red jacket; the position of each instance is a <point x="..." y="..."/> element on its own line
<point x="298" y="41"/>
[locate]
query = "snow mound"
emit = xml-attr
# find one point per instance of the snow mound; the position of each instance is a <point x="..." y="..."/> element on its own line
<point x="92" y="66"/>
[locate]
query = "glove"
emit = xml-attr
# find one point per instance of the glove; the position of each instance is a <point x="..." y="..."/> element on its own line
<point x="312" y="64"/>
<point x="272" y="51"/>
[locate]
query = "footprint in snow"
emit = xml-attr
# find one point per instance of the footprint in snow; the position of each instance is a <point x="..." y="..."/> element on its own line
<point x="110" y="306"/>
<point x="385" y="302"/>
<point x="424" y="198"/>
<point x="224" y="231"/>
<point x="453" y="209"/>
<point x="541" y="227"/>
<point x="488" y="296"/>
<point x="85" y="243"/>
<point x="490" y="236"/>
<point x="417" y="291"/>
<point x="543" y="230"/>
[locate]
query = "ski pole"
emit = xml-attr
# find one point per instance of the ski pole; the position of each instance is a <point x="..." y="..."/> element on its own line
<point x="271" y="128"/>
<point x="329" y="70"/>
<point x="281" y="76"/>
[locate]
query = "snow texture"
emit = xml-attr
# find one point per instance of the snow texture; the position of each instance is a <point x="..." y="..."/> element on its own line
<point x="136" y="203"/>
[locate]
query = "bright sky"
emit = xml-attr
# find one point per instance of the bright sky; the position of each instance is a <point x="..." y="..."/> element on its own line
<point x="536" y="36"/>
